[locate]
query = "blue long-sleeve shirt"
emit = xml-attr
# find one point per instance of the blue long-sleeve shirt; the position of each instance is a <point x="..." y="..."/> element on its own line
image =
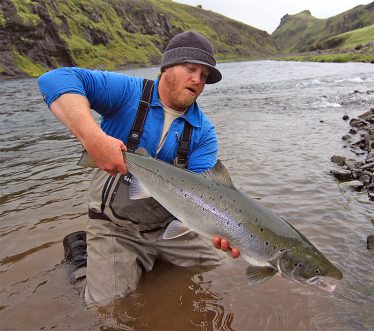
<point x="116" y="97"/>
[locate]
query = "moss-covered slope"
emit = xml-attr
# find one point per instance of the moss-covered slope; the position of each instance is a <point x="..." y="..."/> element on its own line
<point x="37" y="35"/>
<point x="303" y="32"/>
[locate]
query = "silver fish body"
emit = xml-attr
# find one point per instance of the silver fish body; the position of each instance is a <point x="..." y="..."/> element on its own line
<point x="210" y="205"/>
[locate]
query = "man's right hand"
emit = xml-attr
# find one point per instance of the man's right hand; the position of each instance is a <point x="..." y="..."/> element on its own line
<point x="107" y="152"/>
<point x="74" y="112"/>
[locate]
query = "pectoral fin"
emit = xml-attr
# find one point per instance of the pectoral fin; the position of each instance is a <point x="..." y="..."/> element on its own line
<point x="258" y="275"/>
<point x="175" y="229"/>
<point x="137" y="190"/>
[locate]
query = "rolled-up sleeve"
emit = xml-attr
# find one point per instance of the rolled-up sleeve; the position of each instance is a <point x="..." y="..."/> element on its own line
<point x="59" y="81"/>
<point x="105" y="91"/>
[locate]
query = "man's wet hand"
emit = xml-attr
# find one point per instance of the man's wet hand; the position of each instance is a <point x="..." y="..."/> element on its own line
<point x="107" y="152"/>
<point x="224" y="245"/>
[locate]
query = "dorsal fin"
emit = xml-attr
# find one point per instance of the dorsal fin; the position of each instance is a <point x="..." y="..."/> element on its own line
<point x="219" y="174"/>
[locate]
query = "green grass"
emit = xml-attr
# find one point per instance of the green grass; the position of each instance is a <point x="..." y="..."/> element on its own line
<point x="2" y="19"/>
<point x="339" y="58"/>
<point x="25" y="64"/>
<point x="353" y="38"/>
<point x="24" y="12"/>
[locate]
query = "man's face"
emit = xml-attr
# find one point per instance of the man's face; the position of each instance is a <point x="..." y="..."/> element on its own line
<point x="180" y="85"/>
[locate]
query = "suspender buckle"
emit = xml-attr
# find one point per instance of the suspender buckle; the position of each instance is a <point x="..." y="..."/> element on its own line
<point x="143" y="105"/>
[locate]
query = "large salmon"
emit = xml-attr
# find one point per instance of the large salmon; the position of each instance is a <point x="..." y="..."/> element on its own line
<point x="210" y="205"/>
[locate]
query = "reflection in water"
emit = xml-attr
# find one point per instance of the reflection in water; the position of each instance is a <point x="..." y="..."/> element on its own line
<point x="169" y="298"/>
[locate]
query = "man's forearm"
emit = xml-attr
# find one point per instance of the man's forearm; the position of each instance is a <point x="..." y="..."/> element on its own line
<point x="74" y="112"/>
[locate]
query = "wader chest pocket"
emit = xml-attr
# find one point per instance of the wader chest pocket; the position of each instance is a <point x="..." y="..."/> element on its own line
<point x="139" y="211"/>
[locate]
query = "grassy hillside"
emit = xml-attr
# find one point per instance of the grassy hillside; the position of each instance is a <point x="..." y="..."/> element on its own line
<point x="303" y="32"/>
<point x="352" y="39"/>
<point x="38" y="35"/>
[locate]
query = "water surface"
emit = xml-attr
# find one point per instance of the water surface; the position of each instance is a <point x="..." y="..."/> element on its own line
<point x="278" y="124"/>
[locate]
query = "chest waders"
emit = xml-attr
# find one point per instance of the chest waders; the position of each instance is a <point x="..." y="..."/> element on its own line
<point x="115" y="205"/>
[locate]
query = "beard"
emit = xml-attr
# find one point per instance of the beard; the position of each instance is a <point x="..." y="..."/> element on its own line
<point x="178" y="92"/>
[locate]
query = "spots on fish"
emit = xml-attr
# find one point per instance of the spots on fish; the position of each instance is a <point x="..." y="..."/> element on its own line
<point x="240" y="210"/>
<point x="261" y="229"/>
<point x="239" y="224"/>
<point x="256" y="220"/>
<point x="266" y="243"/>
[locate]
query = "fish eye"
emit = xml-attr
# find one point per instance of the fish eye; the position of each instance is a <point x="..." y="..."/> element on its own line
<point x="317" y="271"/>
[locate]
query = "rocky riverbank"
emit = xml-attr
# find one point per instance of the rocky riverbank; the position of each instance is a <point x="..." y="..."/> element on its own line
<point x="358" y="173"/>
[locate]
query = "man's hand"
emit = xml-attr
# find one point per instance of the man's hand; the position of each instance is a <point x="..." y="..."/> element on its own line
<point x="224" y="245"/>
<point x="74" y="112"/>
<point x="107" y="152"/>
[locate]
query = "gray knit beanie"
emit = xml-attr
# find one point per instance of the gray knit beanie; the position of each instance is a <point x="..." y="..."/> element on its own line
<point x="191" y="47"/>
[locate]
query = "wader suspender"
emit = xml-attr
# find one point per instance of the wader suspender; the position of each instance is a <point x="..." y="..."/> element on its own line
<point x="137" y="127"/>
<point x="143" y="107"/>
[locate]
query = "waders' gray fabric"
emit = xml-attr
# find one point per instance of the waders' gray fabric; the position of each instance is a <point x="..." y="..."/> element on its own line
<point x="118" y="255"/>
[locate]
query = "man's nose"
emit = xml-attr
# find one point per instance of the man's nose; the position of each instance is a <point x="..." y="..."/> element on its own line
<point x="196" y="77"/>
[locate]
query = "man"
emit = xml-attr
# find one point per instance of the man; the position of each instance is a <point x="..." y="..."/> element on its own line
<point x="125" y="236"/>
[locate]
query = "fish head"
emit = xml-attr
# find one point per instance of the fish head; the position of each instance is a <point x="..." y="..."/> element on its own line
<point x="308" y="266"/>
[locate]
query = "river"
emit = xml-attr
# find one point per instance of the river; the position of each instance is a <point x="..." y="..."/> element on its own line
<point x="278" y="124"/>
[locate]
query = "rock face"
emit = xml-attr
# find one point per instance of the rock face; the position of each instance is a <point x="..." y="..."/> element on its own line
<point x="38" y="35"/>
<point x="358" y="174"/>
<point x="41" y="42"/>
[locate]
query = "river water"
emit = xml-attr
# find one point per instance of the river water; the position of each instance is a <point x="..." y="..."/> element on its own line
<point x="278" y="124"/>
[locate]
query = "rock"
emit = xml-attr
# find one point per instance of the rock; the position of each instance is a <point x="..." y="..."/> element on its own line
<point x="365" y="179"/>
<point x="357" y="123"/>
<point x="352" y="164"/>
<point x="347" y="137"/>
<point x="370" y="187"/>
<point x="367" y="114"/>
<point x="353" y="184"/>
<point x="341" y="174"/>
<point x="353" y="131"/>
<point x="345" y="117"/>
<point x="367" y="166"/>
<point x="371" y="196"/>
<point x="369" y="157"/>
<point x="370" y="242"/>
<point x="339" y="160"/>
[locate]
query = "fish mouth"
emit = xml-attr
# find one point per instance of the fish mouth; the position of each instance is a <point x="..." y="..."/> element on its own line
<point x="322" y="284"/>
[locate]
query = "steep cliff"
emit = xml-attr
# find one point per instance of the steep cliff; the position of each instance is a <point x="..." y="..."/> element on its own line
<point x="38" y="35"/>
